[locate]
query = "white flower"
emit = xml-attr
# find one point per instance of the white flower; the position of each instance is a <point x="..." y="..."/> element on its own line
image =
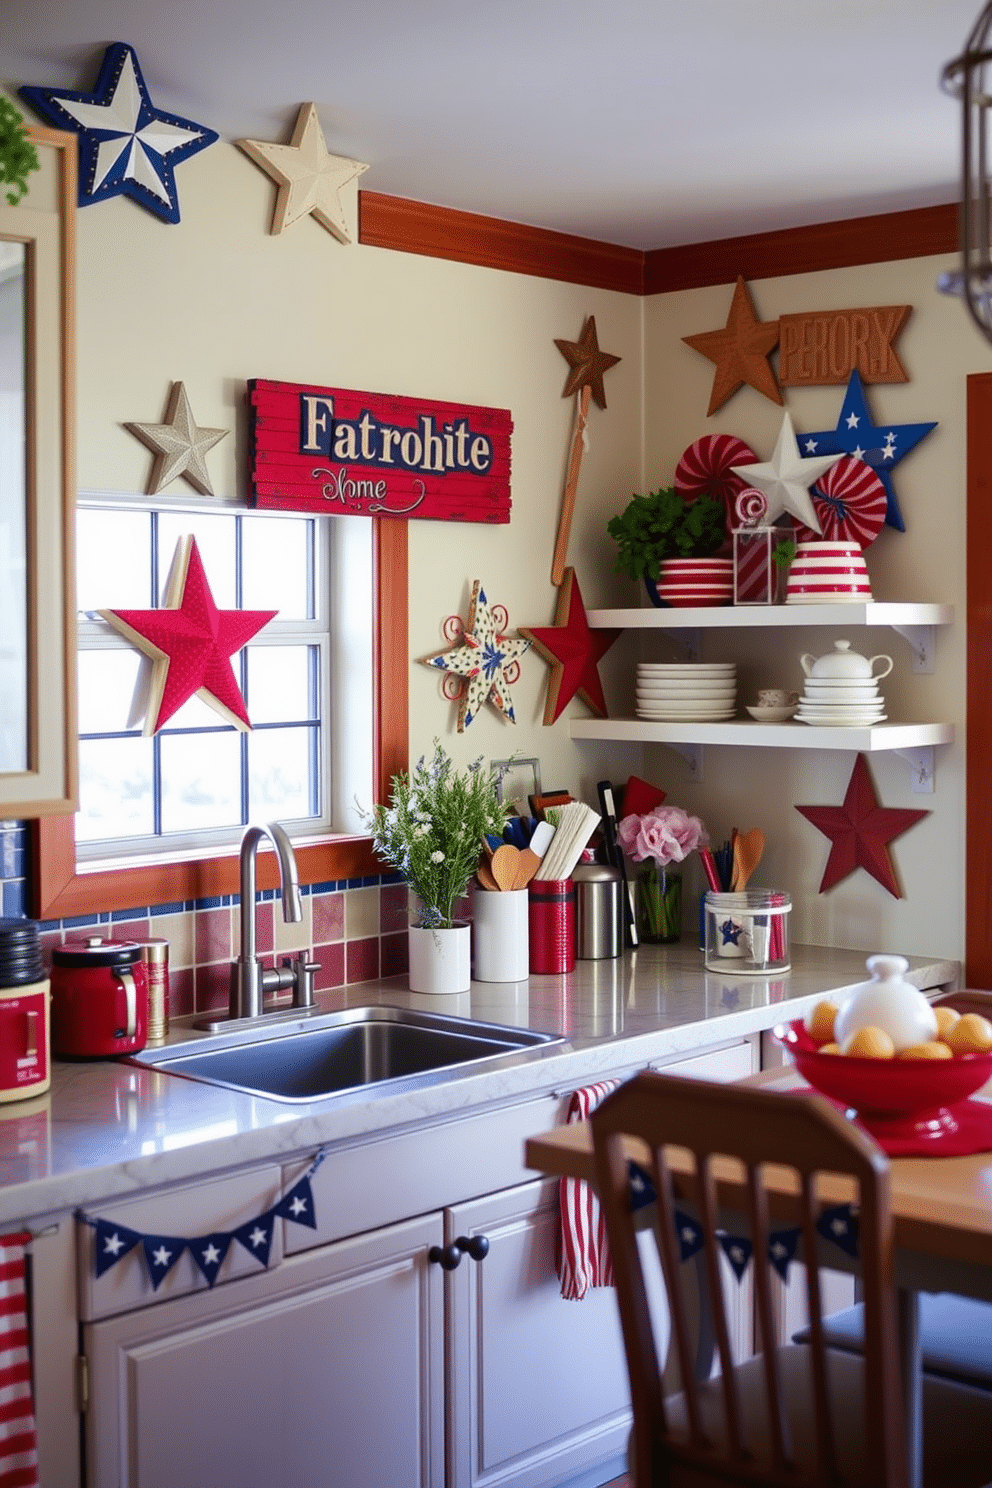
<point x="437" y="856"/>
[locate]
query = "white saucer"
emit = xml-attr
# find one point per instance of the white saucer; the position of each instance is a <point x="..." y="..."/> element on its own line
<point x="692" y="715"/>
<point x="841" y="720"/>
<point x="772" y="715"/>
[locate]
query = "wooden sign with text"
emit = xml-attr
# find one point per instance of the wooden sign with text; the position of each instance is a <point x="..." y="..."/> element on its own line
<point x="823" y="347"/>
<point x="334" y="451"/>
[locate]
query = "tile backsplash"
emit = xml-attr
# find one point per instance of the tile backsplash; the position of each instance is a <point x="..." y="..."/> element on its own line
<point x="355" y="928"/>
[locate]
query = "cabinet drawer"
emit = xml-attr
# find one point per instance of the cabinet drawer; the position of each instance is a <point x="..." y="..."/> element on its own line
<point x="221" y="1204"/>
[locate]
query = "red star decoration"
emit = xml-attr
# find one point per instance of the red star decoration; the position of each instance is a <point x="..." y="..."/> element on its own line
<point x="573" y="651"/>
<point x="860" y="831"/>
<point x="587" y="363"/>
<point x="190" y="643"/>
<point x="740" y="351"/>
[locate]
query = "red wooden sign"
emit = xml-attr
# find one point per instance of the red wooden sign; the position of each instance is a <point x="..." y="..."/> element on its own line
<point x="337" y="451"/>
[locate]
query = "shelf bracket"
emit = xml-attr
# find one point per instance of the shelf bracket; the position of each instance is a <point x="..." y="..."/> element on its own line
<point x="920" y="761"/>
<point x="693" y="756"/>
<point x="922" y="640"/>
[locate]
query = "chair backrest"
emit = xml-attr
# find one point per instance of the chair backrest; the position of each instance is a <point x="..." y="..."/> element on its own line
<point x="684" y="1132"/>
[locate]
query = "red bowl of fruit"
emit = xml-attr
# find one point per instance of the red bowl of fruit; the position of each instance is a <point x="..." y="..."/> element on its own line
<point x="899" y="1097"/>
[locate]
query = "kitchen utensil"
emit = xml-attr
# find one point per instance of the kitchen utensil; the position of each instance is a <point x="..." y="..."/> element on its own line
<point x="576" y="825"/>
<point x="843" y="662"/>
<point x="99" y="998"/>
<point x="608" y="807"/>
<point x="486" y="879"/>
<point x="748" y="848"/>
<point x="504" y="865"/>
<point x="541" y="837"/>
<point x="527" y="865"/>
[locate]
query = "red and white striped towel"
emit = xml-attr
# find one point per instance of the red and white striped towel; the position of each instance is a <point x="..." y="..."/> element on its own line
<point x="18" y="1441"/>
<point x="584" y="1258"/>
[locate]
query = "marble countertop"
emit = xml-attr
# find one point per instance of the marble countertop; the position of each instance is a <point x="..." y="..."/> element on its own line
<point x="108" y="1128"/>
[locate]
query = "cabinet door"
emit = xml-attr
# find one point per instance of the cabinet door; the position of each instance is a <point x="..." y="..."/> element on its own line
<point x="327" y="1370"/>
<point x="537" y="1386"/>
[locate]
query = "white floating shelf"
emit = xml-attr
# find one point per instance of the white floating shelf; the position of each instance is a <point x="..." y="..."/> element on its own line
<point x="738" y="617"/>
<point x="893" y="736"/>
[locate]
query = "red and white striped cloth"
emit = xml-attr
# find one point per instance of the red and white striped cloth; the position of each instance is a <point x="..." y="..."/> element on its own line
<point x="18" y="1441"/>
<point x="584" y="1259"/>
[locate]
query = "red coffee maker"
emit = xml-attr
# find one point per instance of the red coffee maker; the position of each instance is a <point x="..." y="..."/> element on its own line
<point x="99" y="998"/>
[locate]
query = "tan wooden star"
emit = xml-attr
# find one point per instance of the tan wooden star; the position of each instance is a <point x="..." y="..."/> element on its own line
<point x="587" y="363"/>
<point x="740" y="351"/>
<point x="310" y="179"/>
<point x="180" y="445"/>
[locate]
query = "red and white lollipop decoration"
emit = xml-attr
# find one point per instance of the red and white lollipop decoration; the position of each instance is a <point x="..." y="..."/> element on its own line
<point x="850" y="502"/>
<point x="705" y="469"/>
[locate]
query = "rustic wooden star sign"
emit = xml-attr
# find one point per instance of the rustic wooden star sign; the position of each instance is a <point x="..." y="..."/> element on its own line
<point x="483" y="662"/>
<point x="190" y="643"/>
<point x="310" y="179"/>
<point x="179" y="444"/>
<point x="587" y="363"/>
<point x="860" y="831"/>
<point x="740" y="351"/>
<point x="573" y="652"/>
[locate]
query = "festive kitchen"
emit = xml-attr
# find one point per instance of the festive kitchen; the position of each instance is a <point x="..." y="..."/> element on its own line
<point x="559" y="657"/>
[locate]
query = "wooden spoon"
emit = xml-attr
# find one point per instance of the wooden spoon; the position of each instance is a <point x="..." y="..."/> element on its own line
<point x="748" y="848"/>
<point x="504" y="865"/>
<point x="527" y="865"/>
<point x="485" y="878"/>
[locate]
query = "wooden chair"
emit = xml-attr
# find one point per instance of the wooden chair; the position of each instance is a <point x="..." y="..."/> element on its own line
<point x="800" y="1415"/>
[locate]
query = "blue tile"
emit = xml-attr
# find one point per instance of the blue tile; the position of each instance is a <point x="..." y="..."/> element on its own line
<point x="13" y="898"/>
<point x="130" y="914"/>
<point x="167" y="909"/>
<point x="215" y="901"/>
<point x="75" y="922"/>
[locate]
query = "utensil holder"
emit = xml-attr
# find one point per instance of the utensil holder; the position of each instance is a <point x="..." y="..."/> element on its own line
<point x="500" y="935"/>
<point x="747" y="934"/>
<point x="551" y="918"/>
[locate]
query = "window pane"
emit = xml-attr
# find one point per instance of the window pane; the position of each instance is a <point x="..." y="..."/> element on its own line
<point x="113" y="562"/>
<point x="214" y="535"/>
<point x="279" y="683"/>
<point x="196" y="714"/>
<point x="275" y="566"/>
<point x="279" y="774"/>
<point x="201" y="781"/>
<point x="107" y="681"/>
<point x="115" y="788"/>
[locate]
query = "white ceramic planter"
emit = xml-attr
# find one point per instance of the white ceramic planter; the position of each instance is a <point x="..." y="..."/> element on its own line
<point x="501" y="936"/>
<point x="440" y="960"/>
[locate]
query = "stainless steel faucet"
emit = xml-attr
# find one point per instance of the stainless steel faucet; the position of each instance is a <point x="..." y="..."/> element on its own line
<point x="252" y="980"/>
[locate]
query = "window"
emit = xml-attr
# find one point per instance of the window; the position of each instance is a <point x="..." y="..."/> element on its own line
<point x="62" y="885"/>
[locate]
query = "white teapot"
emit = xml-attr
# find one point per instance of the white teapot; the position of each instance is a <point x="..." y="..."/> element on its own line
<point x="843" y="664"/>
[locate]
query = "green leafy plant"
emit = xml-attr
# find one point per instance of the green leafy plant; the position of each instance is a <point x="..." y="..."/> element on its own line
<point x="434" y="827"/>
<point x="784" y="552"/>
<point x="18" y="156"/>
<point x="662" y="525"/>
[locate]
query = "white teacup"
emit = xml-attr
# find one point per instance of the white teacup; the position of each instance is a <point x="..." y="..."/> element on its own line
<point x="776" y="697"/>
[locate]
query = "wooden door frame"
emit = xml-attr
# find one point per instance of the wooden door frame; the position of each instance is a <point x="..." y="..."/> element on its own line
<point x="978" y="778"/>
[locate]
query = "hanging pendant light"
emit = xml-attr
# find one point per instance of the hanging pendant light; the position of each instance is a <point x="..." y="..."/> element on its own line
<point x="969" y="79"/>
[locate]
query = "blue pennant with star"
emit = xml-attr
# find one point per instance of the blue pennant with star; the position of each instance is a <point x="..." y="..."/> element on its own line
<point x="298" y="1204"/>
<point x="839" y="1224"/>
<point x="256" y="1236"/>
<point x="208" y="1251"/>
<point x="161" y="1254"/>
<point x="738" y="1250"/>
<point x="127" y="147"/>
<point x="782" y="1247"/>
<point x="112" y="1242"/>
<point x="690" y="1235"/>
<point x="641" y="1188"/>
<point x="881" y="446"/>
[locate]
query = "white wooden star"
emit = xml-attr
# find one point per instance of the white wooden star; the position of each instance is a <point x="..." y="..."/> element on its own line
<point x="310" y="179"/>
<point x="180" y="444"/>
<point x="787" y="477"/>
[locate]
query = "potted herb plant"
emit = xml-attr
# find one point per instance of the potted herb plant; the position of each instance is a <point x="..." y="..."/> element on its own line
<point x="670" y="541"/>
<point x="432" y="831"/>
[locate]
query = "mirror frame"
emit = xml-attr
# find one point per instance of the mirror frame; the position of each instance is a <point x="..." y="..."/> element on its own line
<point x="45" y="222"/>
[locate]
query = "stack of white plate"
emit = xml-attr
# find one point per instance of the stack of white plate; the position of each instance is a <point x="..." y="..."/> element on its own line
<point x="841" y="702"/>
<point x="698" y="691"/>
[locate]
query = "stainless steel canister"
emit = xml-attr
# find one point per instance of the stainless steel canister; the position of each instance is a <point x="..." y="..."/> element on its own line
<point x="599" y="921"/>
<point x="155" y="954"/>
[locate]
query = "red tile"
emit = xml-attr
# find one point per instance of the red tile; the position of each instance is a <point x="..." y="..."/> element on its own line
<point x="265" y="936"/>
<point x="48" y="940"/>
<point x="129" y="930"/>
<point x="363" y="960"/>
<point x="394" y="954"/>
<point x="331" y="958"/>
<point x="181" y="992"/>
<point x="213" y="987"/>
<point x="394" y="911"/>
<point x="212" y="936"/>
<point x="328" y="917"/>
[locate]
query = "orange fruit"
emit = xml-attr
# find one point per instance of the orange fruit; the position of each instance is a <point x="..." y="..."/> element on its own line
<point x="932" y="1049"/>
<point x="819" y="1022"/>
<point x="869" y="1043"/>
<point x="830" y="1048"/>
<point x="971" y="1034"/>
<point x="946" y="1019"/>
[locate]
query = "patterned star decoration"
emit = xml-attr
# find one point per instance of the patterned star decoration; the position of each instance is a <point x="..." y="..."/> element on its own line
<point x="180" y="445"/>
<point x="787" y="477"/>
<point x="587" y="363"/>
<point x="573" y="652"/>
<point x="127" y="147"/>
<point x="740" y="351"/>
<point x="860" y="831"/>
<point x="310" y="179"/>
<point x="484" y="662"/>
<point x="190" y="643"/>
<point x="880" y="445"/>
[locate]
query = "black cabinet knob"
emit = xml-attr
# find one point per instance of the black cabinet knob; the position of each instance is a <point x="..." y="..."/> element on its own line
<point x="447" y="1257"/>
<point x="477" y="1247"/>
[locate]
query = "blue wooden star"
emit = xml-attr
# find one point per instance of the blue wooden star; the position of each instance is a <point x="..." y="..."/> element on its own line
<point x="127" y="147"/>
<point x="880" y="445"/>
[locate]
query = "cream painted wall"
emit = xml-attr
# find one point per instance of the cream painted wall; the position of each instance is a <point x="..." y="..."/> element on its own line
<point x="756" y="787"/>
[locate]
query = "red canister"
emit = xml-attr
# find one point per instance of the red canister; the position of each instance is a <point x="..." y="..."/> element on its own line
<point x="25" y="1069"/>
<point x="551" y="924"/>
<point x="99" y="998"/>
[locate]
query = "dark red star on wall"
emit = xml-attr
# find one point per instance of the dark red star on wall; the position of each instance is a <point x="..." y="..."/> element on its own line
<point x="860" y="831"/>
<point x="573" y="652"/>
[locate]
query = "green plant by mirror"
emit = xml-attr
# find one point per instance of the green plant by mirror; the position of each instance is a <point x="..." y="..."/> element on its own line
<point x="662" y="525"/>
<point x="18" y="156"/>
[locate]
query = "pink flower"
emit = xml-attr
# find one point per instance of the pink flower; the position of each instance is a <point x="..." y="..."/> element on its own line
<point x="667" y="835"/>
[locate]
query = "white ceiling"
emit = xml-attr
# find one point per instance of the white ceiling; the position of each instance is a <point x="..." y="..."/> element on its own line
<point x="642" y="122"/>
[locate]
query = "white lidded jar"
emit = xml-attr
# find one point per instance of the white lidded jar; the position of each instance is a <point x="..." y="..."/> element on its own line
<point x="888" y="1002"/>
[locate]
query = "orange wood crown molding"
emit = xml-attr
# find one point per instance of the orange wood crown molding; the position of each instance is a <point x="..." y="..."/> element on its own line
<point x="467" y="237"/>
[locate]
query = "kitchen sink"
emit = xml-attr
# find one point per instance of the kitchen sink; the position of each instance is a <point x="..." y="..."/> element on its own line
<point x="369" y="1050"/>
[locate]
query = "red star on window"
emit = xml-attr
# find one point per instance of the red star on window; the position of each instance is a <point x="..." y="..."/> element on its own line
<point x="573" y="652"/>
<point x="190" y="643"/>
<point x="860" y="831"/>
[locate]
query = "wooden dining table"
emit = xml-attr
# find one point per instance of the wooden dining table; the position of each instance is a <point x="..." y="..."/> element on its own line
<point x="942" y="1208"/>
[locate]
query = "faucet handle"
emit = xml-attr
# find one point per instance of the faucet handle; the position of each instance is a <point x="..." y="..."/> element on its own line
<point x="304" y="971"/>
